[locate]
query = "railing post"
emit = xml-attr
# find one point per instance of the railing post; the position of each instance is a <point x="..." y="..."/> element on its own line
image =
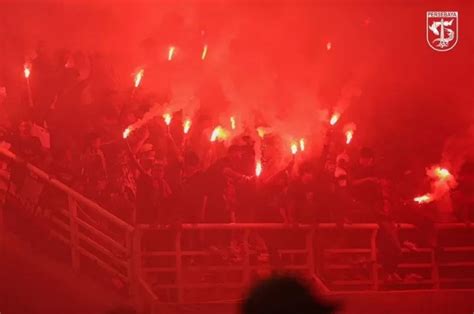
<point x="179" y="266"/>
<point x="246" y="272"/>
<point x="434" y="262"/>
<point x="134" y="266"/>
<point x="74" y="232"/>
<point x="310" y="251"/>
<point x="373" y="255"/>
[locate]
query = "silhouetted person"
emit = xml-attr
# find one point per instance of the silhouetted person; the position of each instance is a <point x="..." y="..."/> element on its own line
<point x="284" y="295"/>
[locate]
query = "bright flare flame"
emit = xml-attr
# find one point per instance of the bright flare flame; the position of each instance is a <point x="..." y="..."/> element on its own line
<point x="427" y="198"/>
<point x="27" y="70"/>
<point x="138" y="78"/>
<point x="328" y="45"/>
<point x="186" y="126"/>
<point x="258" y="168"/>
<point x="349" y="136"/>
<point x="204" y="52"/>
<point x="442" y="173"/>
<point x="167" y="117"/>
<point x="334" y="118"/>
<point x="294" y="148"/>
<point x="232" y="123"/>
<point x="127" y="132"/>
<point x="170" y="53"/>
<point x="302" y="144"/>
<point x="218" y="133"/>
<point x="261" y="132"/>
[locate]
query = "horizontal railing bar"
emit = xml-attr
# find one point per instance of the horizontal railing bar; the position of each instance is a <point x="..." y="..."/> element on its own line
<point x="86" y="253"/>
<point x="60" y="223"/>
<point x="344" y="251"/>
<point x="207" y="253"/>
<point x="201" y="285"/>
<point x="262" y="226"/>
<point x="448" y="280"/>
<point x="457" y="264"/>
<point x="103" y="250"/>
<point x="100" y="234"/>
<point x="60" y="237"/>
<point x="216" y="268"/>
<point x="158" y="269"/>
<point x="102" y="264"/>
<point x="370" y="282"/>
<point x="458" y="248"/>
<point x="63" y="187"/>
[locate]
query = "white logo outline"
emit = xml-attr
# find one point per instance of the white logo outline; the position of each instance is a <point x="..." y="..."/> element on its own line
<point x="433" y="27"/>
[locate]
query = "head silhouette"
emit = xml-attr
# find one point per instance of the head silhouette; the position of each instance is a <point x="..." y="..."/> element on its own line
<point x="284" y="295"/>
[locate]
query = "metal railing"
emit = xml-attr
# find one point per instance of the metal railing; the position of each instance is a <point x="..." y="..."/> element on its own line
<point x="434" y="266"/>
<point x="189" y="263"/>
<point x="90" y="232"/>
<point x="182" y="272"/>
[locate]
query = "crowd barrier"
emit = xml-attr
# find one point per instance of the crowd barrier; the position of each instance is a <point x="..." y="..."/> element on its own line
<point x="192" y="263"/>
<point x="89" y="231"/>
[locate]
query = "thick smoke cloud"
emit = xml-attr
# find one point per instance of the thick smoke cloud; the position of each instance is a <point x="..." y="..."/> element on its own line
<point x="285" y="65"/>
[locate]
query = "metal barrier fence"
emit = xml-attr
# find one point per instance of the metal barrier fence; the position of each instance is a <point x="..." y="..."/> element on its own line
<point x="191" y="263"/>
<point x="89" y="231"/>
<point x="179" y="265"/>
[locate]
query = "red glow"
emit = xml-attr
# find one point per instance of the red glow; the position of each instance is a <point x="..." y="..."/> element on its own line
<point x="294" y="148"/>
<point x="302" y="144"/>
<point x="258" y="168"/>
<point x="219" y="133"/>
<point x="171" y="53"/>
<point x="349" y="136"/>
<point x="204" y="52"/>
<point x="334" y="118"/>
<point x="442" y="173"/>
<point x="127" y="132"/>
<point x="328" y="46"/>
<point x="167" y="117"/>
<point x="427" y="198"/>
<point x="27" y="70"/>
<point x="138" y="78"/>
<point x="186" y="126"/>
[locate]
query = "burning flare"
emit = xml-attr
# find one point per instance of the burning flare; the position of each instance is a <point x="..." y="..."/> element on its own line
<point x="261" y="132"/>
<point x="232" y="123"/>
<point x="334" y="118"/>
<point x="423" y="199"/>
<point x="167" y="117"/>
<point x="138" y="78"/>
<point x="349" y="136"/>
<point x="294" y="148"/>
<point x="442" y="181"/>
<point x="328" y="45"/>
<point x="27" y="70"/>
<point x="302" y="144"/>
<point x="204" y="52"/>
<point x="186" y="126"/>
<point x="218" y="133"/>
<point x="170" y="53"/>
<point x="127" y="132"/>
<point x="442" y="173"/>
<point x="258" y="168"/>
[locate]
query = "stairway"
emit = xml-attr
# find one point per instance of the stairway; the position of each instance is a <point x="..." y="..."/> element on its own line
<point x="33" y="283"/>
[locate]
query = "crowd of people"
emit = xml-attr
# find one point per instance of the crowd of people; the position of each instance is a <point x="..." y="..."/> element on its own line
<point x="160" y="176"/>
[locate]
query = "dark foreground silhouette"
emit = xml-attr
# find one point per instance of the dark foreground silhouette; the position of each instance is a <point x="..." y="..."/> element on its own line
<point x="284" y="295"/>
